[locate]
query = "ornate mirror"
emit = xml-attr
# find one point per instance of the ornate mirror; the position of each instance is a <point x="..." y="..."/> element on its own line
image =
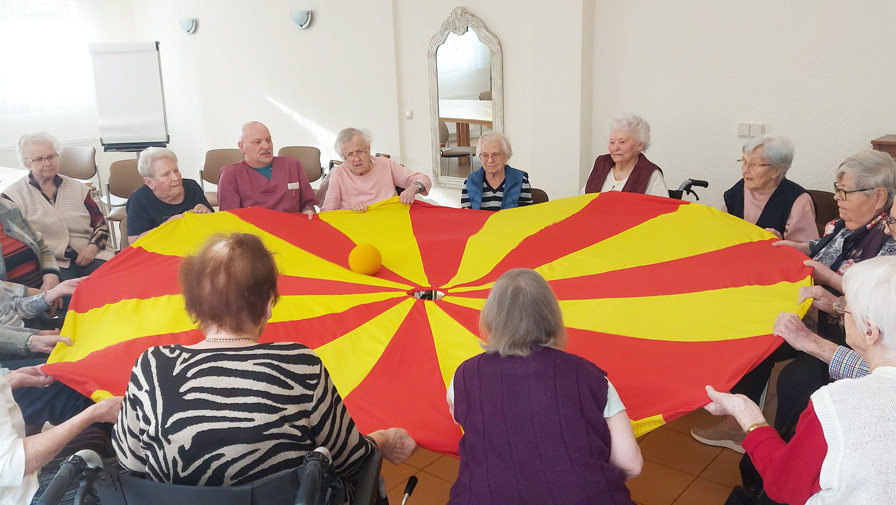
<point x="466" y="94"/>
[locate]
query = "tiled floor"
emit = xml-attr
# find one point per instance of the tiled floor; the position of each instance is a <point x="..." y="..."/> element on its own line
<point x="678" y="470"/>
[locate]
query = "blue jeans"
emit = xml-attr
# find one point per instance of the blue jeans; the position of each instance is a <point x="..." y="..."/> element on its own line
<point x="55" y="403"/>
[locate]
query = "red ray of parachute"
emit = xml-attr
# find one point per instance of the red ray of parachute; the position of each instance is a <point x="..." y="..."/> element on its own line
<point x="665" y="296"/>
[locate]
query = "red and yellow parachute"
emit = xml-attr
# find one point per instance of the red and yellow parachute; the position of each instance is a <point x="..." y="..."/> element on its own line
<point x="664" y="295"/>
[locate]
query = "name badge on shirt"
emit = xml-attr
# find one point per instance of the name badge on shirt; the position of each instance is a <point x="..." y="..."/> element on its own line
<point x="292" y="185"/>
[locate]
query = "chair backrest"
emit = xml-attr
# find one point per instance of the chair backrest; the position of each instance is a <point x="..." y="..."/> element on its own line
<point x="443" y="134"/>
<point x="124" y="178"/>
<point x="485" y="95"/>
<point x="215" y="160"/>
<point x="308" y="156"/>
<point x="825" y="208"/>
<point x="78" y="162"/>
<point x="539" y="196"/>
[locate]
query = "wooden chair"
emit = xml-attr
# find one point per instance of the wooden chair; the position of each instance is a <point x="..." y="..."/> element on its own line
<point x="215" y="160"/>
<point x="538" y="196"/>
<point x="124" y="179"/>
<point x="308" y="156"/>
<point x="825" y="208"/>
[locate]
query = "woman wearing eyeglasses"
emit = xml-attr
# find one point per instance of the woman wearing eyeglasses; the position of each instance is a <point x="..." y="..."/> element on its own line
<point x="626" y="168"/>
<point x="363" y="180"/>
<point x="60" y="208"/>
<point x="843" y="450"/>
<point x="496" y="185"/>
<point x="765" y="197"/>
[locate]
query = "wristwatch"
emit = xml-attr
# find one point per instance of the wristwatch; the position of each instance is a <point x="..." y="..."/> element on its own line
<point x="28" y="343"/>
<point x="420" y="186"/>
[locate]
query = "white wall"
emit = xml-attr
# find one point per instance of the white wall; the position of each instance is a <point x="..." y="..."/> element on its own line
<point x="816" y="72"/>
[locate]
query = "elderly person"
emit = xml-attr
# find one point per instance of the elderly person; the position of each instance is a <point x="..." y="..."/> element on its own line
<point x="363" y="179"/>
<point x="843" y="449"/>
<point x="264" y="180"/>
<point x="866" y="184"/>
<point x="193" y="403"/>
<point x="540" y="425"/>
<point x="765" y="197"/>
<point x="165" y="196"/>
<point x="626" y="168"/>
<point x="496" y="185"/>
<point x="21" y="457"/>
<point x="27" y="260"/>
<point x="60" y="208"/>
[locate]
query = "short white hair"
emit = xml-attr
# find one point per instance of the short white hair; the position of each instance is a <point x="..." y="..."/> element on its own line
<point x="870" y="288"/>
<point x="149" y="156"/>
<point x="346" y="135"/>
<point x="35" y="138"/>
<point x="506" y="148"/>
<point x="634" y="124"/>
<point x="871" y="169"/>
<point x="777" y="151"/>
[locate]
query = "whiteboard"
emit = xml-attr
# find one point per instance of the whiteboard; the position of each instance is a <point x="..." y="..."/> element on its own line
<point x="130" y="102"/>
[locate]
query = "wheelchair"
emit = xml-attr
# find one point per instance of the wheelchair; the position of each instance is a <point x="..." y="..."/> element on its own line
<point x="313" y="483"/>
<point x="686" y="187"/>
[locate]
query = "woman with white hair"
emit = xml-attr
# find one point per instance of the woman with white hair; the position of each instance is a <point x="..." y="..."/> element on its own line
<point x="363" y="180"/>
<point x="843" y="450"/>
<point x="165" y="196"/>
<point x="626" y="168"/>
<point x="765" y="197"/>
<point x="496" y="185"/>
<point x="540" y="425"/>
<point x="60" y="208"/>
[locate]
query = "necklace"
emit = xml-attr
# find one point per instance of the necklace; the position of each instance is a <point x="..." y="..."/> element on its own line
<point x="212" y="339"/>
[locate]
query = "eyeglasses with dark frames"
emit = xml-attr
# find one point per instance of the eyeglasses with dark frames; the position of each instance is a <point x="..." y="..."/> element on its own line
<point x="843" y="192"/>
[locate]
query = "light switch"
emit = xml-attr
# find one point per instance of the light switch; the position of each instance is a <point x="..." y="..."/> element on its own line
<point x="743" y="129"/>
<point x="757" y="129"/>
<point x="409" y="114"/>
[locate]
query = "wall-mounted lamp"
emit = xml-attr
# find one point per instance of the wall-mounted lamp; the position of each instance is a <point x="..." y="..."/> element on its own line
<point x="301" y="19"/>
<point x="188" y="24"/>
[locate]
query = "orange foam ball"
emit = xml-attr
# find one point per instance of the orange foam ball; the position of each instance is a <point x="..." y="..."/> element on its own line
<point x="365" y="259"/>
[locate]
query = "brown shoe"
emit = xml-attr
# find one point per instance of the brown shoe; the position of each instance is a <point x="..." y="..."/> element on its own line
<point x="724" y="434"/>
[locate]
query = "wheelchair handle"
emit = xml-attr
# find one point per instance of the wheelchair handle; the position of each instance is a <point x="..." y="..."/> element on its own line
<point x="75" y="465"/>
<point x="310" y="484"/>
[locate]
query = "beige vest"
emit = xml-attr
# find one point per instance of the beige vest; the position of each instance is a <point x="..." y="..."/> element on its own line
<point x="60" y="225"/>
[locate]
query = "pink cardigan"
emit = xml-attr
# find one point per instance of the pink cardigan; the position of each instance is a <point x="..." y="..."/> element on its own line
<point x="374" y="186"/>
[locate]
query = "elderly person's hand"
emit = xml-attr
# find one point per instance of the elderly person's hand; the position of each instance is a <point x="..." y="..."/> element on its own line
<point x="46" y="341"/>
<point x="309" y="212"/>
<point x="201" y="209"/>
<point x="50" y="281"/>
<point x="824" y="275"/>
<point x="64" y="288"/>
<point x="822" y="299"/>
<point x="29" y="377"/>
<point x="739" y="407"/>
<point x="408" y="195"/>
<point x="802" y="247"/>
<point x="774" y="232"/>
<point x="106" y="411"/>
<point x="395" y="444"/>
<point x="87" y="255"/>
<point x="791" y="328"/>
<point x="359" y="206"/>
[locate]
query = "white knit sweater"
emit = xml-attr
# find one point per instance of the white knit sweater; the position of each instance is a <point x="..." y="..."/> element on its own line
<point x="858" y="417"/>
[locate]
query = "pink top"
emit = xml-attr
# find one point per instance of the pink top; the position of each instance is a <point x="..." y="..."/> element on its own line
<point x="800" y="226"/>
<point x="288" y="190"/>
<point x="375" y="186"/>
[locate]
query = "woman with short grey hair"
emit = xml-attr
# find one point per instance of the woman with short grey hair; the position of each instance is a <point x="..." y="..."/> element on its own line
<point x="525" y="405"/>
<point x="843" y="443"/>
<point x="626" y="168"/>
<point x="363" y="180"/>
<point x="495" y="185"/>
<point x="765" y="197"/>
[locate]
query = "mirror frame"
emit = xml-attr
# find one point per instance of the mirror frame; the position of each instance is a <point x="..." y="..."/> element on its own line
<point x="458" y="23"/>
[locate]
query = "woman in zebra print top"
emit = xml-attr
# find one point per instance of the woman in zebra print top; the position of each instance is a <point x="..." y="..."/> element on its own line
<point x="227" y="410"/>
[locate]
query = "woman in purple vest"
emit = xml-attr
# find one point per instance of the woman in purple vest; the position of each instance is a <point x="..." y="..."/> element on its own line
<point x="540" y="425"/>
<point x="626" y="168"/>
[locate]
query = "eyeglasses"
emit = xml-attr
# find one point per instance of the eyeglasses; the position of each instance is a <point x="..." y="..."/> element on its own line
<point x="753" y="165"/>
<point x="842" y="192"/>
<point x="889" y="221"/>
<point x="355" y="154"/>
<point x="493" y="156"/>
<point x="42" y="159"/>
<point x="840" y="306"/>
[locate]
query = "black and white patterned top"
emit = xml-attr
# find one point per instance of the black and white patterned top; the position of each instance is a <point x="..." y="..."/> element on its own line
<point x="223" y="417"/>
